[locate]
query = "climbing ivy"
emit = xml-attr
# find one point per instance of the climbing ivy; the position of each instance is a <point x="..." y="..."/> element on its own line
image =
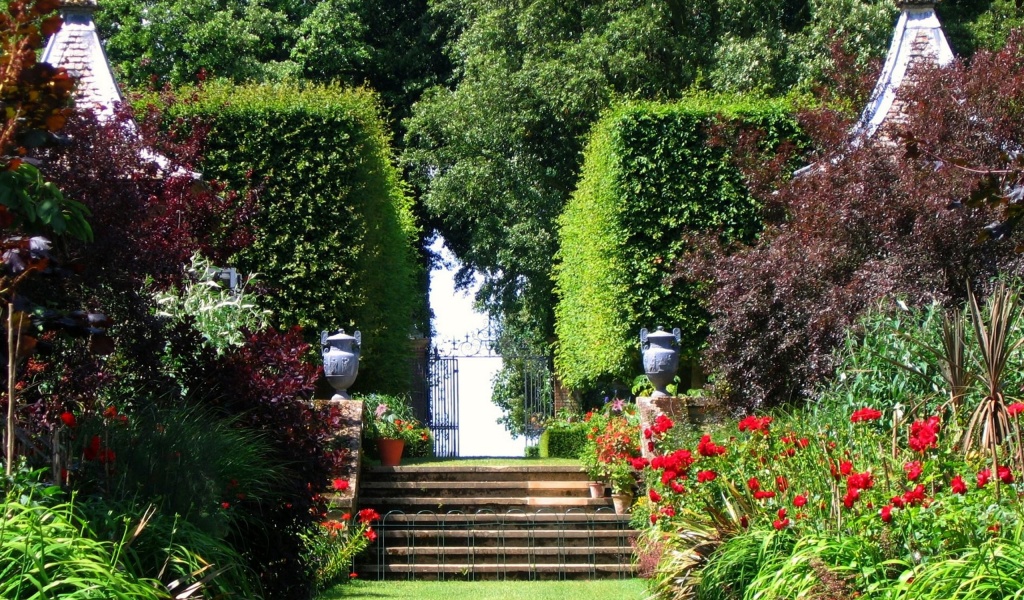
<point x="652" y="174"/>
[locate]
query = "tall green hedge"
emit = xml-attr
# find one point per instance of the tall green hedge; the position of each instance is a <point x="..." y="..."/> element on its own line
<point x="651" y="174"/>
<point x="336" y="235"/>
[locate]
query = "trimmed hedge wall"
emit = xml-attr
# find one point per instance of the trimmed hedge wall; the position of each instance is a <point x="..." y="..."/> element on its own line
<point x="651" y="174"/>
<point x="565" y="440"/>
<point x="335" y="240"/>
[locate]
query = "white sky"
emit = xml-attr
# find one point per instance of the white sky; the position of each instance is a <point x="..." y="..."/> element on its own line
<point x="479" y="432"/>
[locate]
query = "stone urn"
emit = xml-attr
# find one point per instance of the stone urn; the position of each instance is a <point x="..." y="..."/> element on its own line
<point x="341" y="361"/>
<point x="661" y="357"/>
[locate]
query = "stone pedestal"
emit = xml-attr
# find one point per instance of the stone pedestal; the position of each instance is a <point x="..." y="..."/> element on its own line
<point x="685" y="411"/>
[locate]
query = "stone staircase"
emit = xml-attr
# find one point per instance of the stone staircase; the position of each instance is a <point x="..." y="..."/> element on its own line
<point x="514" y="522"/>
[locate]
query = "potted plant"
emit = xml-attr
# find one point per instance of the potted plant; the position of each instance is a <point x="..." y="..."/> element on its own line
<point x="596" y="469"/>
<point x="622" y="478"/>
<point x="389" y="421"/>
<point x="613" y="441"/>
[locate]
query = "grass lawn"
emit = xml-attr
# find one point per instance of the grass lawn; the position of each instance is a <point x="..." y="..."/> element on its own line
<point x="603" y="589"/>
<point x="483" y="462"/>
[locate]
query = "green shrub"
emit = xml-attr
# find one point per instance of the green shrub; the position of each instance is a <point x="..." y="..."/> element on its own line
<point x="49" y="549"/>
<point x="563" y="439"/>
<point x="652" y="174"/>
<point x="336" y="234"/>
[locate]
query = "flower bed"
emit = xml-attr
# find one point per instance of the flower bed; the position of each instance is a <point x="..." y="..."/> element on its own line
<point x="850" y="498"/>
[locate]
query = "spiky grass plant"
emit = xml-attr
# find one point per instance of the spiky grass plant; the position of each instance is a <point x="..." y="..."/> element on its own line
<point x="989" y="425"/>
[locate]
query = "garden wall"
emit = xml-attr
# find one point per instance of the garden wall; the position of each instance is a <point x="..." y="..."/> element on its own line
<point x="652" y="173"/>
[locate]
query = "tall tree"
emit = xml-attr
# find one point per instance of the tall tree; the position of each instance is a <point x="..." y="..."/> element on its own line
<point x="496" y="156"/>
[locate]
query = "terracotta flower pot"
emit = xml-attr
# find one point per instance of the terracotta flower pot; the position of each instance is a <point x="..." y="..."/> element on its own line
<point x="596" y="489"/>
<point x="390" y="451"/>
<point x="622" y="503"/>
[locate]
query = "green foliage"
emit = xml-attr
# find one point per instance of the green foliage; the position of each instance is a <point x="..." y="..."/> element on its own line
<point x="218" y="312"/>
<point x="47" y="551"/>
<point x="337" y="235"/>
<point x="653" y="173"/>
<point x="496" y="156"/>
<point x="331" y="546"/>
<point x="565" y="436"/>
<point x="186" y="460"/>
<point x="34" y="205"/>
<point x="172" y="40"/>
<point x="972" y="26"/>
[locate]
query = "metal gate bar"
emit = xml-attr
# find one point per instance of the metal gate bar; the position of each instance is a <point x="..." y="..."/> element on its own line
<point x="444" y="405"/>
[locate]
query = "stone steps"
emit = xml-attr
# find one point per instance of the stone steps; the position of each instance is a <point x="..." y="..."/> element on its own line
<point x="497" y="571"/>
<point x="516" y="522"/>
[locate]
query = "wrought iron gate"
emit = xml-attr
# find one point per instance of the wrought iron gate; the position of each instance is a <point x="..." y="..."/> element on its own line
<point x="443" y="407"/>
<point x="442" y="387"/>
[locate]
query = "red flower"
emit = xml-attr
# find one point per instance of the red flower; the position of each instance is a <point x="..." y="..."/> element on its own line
<point x="781" y="483"/>
<point x="668" y="511"/>
<point x="983" y="477"/>
<point x="852" y="495"/>
<point x="782" y="513"/>
<point x="654" y="518"/>
<point x="924" y="434"/>
<point x="639" y="463"/>
<point x="662" y="424"/>
<point x="780" y="524"/>
<point x="668" y="476"/>
<point x="800" y="500"/>
<point x="898" y="502"/>
<point x="370" y="534"/>
<point x="744" y="522"/>
<point x="353" y="575"/>
<point x="225" y="505"/>
<point x="886" y="513"/>
<point x="845" y="467"/>
<point x="860" y="481"/>
<point x="865" y="414"/>
<point x="803" y="442"/>
<point x="368" y="515"/>
<point x="654" y="495"/>
<point x="915" y="496"/>
<point x="708" y="448"/>
<point x="1004" y="474"/>
<point x="92" y="451"/>
<point x="703" y="476"/>
<point x="676" y="487"/>
<point x="339" y="484"/>
<point x="110" y="412"/>
<point x="752" y="424"/>
<point x="913" y="469"/>
<point x="1015" y="409"/>
<point x="957" y="485"/>
<point x="68" y="419"/>
<point x="762" y="494"/>
<point x="753" y="484"/>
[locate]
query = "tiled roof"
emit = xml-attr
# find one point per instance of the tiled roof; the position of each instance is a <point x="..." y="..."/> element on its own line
<point x="918" y="38"/>
<point x="77" y="48"/>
